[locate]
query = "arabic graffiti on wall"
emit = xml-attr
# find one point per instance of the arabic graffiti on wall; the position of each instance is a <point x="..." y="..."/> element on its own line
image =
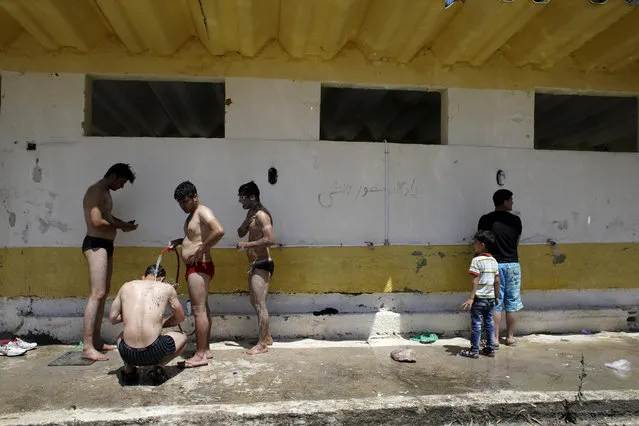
<point x="347" y="191"/>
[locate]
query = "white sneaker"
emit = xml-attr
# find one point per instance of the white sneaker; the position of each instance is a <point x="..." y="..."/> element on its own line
<point x="11" y="349"/>
<point x="24" y="345"/>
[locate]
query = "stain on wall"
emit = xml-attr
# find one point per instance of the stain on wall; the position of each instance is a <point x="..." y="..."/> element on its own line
<point x="562" y="225"/>
<point x="25" y="233"/>
<point x="615" y="224"/>
<point x="37" y="172"/>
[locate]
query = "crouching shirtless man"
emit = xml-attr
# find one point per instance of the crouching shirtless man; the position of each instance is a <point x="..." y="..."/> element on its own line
<point x="140" y="306"/>
<point x="259" y="226"/>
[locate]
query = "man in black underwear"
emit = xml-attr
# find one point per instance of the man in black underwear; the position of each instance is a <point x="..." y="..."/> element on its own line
<point x="97" y="248"/>
<point x="140" y="305"/>
<point x="259" y="226"/>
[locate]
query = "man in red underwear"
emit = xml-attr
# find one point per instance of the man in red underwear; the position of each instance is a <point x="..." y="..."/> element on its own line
<point x="201" y="232"/>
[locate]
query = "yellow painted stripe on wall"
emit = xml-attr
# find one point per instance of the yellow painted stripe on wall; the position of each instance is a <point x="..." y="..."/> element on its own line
<point x="54" y="272"/>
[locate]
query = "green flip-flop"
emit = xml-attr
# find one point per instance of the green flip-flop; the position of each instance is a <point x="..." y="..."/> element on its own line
<point x="425" y="338"/>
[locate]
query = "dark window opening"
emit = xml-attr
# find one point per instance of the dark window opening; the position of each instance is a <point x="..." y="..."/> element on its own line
<point x="375" y="115"/>
<point x="135" y="108"/>
<point x="586" y="123"/>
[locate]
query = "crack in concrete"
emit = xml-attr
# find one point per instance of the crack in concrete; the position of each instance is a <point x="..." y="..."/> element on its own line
<point x="206" y="24"/>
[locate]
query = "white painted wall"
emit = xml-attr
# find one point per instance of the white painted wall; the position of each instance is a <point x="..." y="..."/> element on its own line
<point x="270" y="109"/>
<point x="42" y="107"/>
<point x="498" y="118"/>
<point x="329" y="193"/>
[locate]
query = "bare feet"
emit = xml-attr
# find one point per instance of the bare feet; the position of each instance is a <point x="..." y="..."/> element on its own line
<point x="94" y="355"/>
<point x="195" y="361"/>
<point x="260" y="348"/>
<point x="104" y="347"/>
<point x="209" y="354"/>
<point x="269" y="341"/>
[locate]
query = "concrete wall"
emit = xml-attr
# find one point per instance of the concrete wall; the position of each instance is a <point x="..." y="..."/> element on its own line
<point x="328" y="202"/>
<point x="498" y="118"/>
<point x="272" y="109"/>
<point x="329" y="193"/>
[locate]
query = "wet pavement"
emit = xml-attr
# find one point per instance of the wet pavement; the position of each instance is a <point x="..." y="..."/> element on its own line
<point x="322" y="370"/>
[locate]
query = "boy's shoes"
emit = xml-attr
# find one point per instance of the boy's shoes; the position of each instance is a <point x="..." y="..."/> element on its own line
<point x="469" y="354"/>
<point x="484" y="342"/>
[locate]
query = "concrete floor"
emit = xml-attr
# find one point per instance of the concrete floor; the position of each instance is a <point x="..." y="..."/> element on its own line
<point x="310" y="370"/>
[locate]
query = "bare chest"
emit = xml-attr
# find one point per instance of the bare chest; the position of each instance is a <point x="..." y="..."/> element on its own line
<point x="192" y="226"/>
<point x="255" y="230"/>
<point x="107" y="203"/>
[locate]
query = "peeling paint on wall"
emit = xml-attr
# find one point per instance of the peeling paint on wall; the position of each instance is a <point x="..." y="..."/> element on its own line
<point x="45" y="225"/>
<point x="420" y="264"/>
<point x="558" y="256"/>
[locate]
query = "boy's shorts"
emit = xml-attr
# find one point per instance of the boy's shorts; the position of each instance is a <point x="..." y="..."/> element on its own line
<point x="510" y="284"/>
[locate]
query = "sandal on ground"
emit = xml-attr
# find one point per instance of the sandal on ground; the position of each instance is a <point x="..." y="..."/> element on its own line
<point x="484" y="343"/>
<point x="469" y="354"/>
<point x="488" y="352"/>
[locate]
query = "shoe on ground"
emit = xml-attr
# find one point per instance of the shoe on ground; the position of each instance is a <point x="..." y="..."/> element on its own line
<point x="11" y="349"/>
<point x="27" y="346"/>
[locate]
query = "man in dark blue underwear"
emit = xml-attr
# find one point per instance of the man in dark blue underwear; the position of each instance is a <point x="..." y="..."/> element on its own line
<point x="259" y="226"/>
<point x="140" y="305"/>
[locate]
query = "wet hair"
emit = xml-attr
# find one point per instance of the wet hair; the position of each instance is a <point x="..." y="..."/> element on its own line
<point x="487" y="238"/>
<point x="151" y="271"/>
<point x="184" y="190"/>
<point x="500" y="196"/>
<point x="121" y="170"/>
<point x="250" y="189"/>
